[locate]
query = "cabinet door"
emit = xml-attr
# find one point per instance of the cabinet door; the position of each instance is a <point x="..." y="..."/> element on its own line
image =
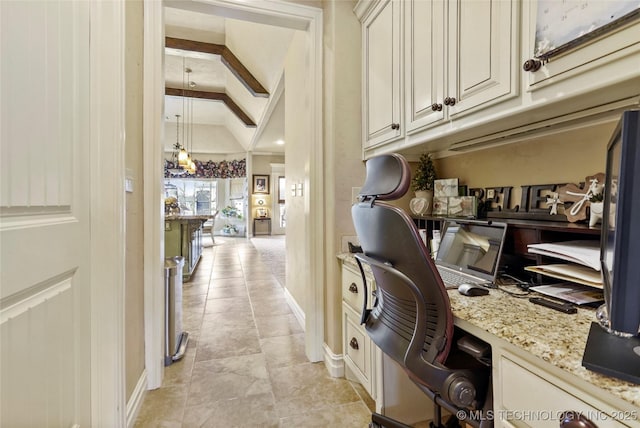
<point x="424" y="63"/>
<point x="610" y="59"/>
<point x="382" y="83"/>
<point x="482" y="53"/>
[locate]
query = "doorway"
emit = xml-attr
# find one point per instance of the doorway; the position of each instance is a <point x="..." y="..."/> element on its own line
<point x="309" y="244"/>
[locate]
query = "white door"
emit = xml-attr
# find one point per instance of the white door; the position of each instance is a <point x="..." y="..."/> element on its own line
<point x="45" y="340"/>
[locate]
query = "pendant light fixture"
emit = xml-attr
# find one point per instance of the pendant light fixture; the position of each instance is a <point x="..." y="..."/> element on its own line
<point x="175" y="157"/>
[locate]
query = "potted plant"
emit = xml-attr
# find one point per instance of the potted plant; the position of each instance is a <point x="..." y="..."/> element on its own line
<point x="229" y="229"/>
<point x="422" y="184"/>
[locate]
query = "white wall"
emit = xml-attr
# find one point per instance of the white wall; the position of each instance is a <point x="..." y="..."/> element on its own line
<point x="343" y="149"/>
<point x="206" y="139"/>
<point x="297" y="159"/>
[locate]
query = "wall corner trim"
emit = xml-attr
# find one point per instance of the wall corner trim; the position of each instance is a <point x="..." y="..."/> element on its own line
<point x="134" y="404"/>
<point x="297" y="310"/>
<point x="333" y="362"/>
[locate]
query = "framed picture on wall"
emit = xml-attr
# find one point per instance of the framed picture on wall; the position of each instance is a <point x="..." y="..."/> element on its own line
<point x="261" y="184"/>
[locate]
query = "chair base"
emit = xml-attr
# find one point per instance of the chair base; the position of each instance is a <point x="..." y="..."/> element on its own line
<point x="381" y="421"/>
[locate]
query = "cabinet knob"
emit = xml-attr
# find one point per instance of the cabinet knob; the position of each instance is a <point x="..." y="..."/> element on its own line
<point x="571" y="419"/>
<point x="532" y="65"/>
<point x="395" y="126"/>
<point x="353" y="288"/>
<point x="436" y="107"/>
<point x="449" y="101"/>
<point x="354" y="343"/>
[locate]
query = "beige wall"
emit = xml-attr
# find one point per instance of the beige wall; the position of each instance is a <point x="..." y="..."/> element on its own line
<point x="564" y="157"/>
<point x="134" y="291"/>
<point x="344" y="168"/>
<point x="262" y="165"/>
<point x="297" y="129"/>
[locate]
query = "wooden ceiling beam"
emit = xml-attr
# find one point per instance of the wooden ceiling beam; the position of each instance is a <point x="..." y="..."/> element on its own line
<point x="228" y="59"/>
<point x="216" y="96"/>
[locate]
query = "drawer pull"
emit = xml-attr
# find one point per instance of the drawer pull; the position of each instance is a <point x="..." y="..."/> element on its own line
<point x="353" y="288"/>
<point x="395" y="126"/>
<point x="450" y="101"/>
<point x="436" y="107"/>
<point x="354" y="343"/>
<point x="571" y="419"/>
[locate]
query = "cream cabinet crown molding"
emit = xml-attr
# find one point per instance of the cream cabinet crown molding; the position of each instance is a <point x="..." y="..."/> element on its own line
<point x="363" y="8"/>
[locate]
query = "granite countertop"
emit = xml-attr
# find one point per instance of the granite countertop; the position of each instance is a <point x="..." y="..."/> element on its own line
<point x="170" y="217"/>
<point x="555" y="337"/>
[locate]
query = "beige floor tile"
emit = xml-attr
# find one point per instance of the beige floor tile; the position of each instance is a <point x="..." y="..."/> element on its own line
<point x="281" y="351"/>
<point x="193" y="302"/>
<point x="228" y="305"/>
<point x="305" y="387"/>
<point x="245" y="364"/>
<point x="179" y="372"/>
<point x="224" y="343"/>
<point x="239" y="320"/>
<point x="236" y="273"/>
<point x="189" y="289"/>
<point x="364" y="396"/>
<point x="226" y="282"/>
<point x="164" y="404"/>
<point x="239" y="290"/>
<point x="277" y="325"/>
<point x="265" y="306"/>
<point x="254" y="411"/>
<point x="352" y="415"/>
<point x="227" y="378"/>
<point x="141" y="423"/>
<point x="265" y="282"/>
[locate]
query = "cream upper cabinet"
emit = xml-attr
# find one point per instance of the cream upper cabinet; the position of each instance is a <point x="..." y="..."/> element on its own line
<point x="482" y="54"/>
<point x="606" y="67"/>
<point x="428" y="61"/>
<point x="425" y="63"/>
<point x="382" y="80"/>
<point x="459" y="55"/>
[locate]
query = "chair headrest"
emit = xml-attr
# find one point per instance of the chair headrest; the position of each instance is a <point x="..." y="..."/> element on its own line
<point x="388" y="177"/>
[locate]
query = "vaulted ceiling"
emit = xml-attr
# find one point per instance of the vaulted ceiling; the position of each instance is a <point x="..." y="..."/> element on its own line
<point x="233" y="92"/>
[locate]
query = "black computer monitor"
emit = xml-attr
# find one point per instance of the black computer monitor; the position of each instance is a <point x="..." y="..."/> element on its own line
<point x="616" y="350"/>
<point x="620" y="238"/>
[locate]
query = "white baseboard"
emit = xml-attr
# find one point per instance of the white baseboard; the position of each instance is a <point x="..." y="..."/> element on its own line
<point x="333" y="362"/>
<point x="137" y="397"/>
<point x="295" y="308"/>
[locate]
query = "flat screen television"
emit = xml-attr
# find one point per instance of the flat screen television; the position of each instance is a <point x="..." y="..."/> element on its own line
<point x="620" y="236"/>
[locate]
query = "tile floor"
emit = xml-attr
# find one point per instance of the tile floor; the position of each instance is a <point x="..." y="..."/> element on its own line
<point x="245" y="365"/>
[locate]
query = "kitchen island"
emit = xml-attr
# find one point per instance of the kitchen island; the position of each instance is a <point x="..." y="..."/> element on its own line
<point x="183" y="237"/>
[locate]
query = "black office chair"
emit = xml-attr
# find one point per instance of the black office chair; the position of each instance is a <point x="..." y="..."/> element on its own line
<point x="411" y="319"/>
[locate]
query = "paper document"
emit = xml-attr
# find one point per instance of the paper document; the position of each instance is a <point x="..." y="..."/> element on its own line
<point x="586" y="253"/>
<point x="569" y="272"/>
<point x="573" y="293"/>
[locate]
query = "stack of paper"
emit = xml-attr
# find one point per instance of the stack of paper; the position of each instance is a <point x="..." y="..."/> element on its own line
<point x="573" y="293"/>
<point x="585" y="255"/>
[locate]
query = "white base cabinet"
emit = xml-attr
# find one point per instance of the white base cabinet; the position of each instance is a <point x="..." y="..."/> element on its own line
<point x="385" y="381"/>
<point x="528" y="395"/>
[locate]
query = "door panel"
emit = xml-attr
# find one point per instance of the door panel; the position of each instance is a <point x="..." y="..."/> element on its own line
<point x="482" y="53"/>
<point x="44" y="222"/>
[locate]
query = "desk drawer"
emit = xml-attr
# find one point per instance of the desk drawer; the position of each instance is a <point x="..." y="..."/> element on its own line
<point x="352" y="289"/>
<point x="357" y="347"/>
<point x="529" y="400"/>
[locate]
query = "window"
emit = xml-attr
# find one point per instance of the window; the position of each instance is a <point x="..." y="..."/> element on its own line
<point x="195" y="197"/>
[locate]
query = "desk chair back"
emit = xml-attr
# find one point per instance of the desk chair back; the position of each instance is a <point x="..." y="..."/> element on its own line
<point x="411" y="319"/>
